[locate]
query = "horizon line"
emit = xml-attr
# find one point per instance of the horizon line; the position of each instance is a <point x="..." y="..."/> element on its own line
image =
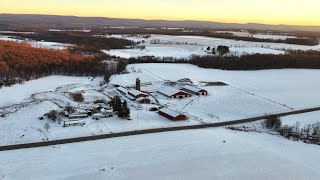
<point x="172" y="20"/>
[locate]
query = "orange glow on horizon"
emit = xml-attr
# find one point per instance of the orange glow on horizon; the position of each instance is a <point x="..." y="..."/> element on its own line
<point x="291" y="12"/>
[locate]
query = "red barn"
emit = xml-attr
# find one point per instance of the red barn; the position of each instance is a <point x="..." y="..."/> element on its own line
<point x="174" y="93"/>
<point x="195" y="90"/>
<point x="172" y="115"/>
<point x="137" y="94"/>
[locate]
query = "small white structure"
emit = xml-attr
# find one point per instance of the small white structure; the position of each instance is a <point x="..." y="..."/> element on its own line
<point x="73" y="123"/>
<point x="104" y="114"/>
<point x="77" y="116"/>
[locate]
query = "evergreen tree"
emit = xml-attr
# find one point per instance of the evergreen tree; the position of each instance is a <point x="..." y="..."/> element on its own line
<point x="126" y="110"/>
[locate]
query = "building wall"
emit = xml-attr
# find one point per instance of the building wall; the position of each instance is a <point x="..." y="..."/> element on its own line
<point x="178" y="118"/>
<point x="140" y="95"/>
<point x="181" y="94"/>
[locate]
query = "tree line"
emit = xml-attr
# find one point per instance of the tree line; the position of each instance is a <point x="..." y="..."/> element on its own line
<point x="310" y="39"/>
<point x="292" y="59"/>
<point x="21" y="61"/>
<point x="84" y="41"/>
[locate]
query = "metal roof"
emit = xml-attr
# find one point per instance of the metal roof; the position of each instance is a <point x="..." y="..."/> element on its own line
<point x="169" y="91"/>
<point x="170" y="112"/>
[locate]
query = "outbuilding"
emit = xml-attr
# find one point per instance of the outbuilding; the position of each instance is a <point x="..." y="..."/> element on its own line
<point x="137" y="94"/>
<point x="172" y="115"/>
<point x="174" y="93"/>
<point x="143" y="100"/>
<point x="195" y="90"/>
<point x="78" y="116"/>
<point x="122" y="90"/>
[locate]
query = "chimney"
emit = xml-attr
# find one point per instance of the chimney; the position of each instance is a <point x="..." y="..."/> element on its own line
<point x="138" y="84"/>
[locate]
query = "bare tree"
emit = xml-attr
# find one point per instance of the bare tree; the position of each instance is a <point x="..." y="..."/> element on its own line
<point x="47" y="126"/>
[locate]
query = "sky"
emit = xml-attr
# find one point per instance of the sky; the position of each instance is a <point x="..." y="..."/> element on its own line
<point x="291" y="12"/>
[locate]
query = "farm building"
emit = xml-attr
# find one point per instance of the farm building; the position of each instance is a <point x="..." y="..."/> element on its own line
<point x="76" y="122"/>
<point x="185" y="81"/>
<point x="195" y="90"/>
<point x="137" y="94"/>
<point x="122" y="90"/>
<point x="172" y="115"/>
<point x="174" y="93"/>
<point x="78" y="116"/>
<point x="143" y="100"/>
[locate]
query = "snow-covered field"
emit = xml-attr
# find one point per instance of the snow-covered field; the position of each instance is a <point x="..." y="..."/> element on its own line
<point x="297" y="88"/>
<point x="249" y="94"/>
<point x="159" y="51"/>
<point x="303" y="119"/>
<point x="193" y="154"/>
<point x="185" y="46"/>
<point x="38" y="44"/>
<point x="259" y="36"/>
<point x="21" y="92"/>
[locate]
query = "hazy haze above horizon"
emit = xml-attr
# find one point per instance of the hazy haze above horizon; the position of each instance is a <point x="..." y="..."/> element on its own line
<point x="290" y="12"/>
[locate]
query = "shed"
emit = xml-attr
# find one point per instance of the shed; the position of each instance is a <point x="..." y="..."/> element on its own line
<point x="172" y="115"/>
<point x="174" y="93"/>
<point x="77" y="116"/>
<point x="195" y="90"/>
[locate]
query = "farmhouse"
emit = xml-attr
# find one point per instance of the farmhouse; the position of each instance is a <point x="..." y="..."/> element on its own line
<point x="195" y="90"/>
<point x="174" y="93"/>
<point x="172" y="115"/>
<point x="137" y="94"/>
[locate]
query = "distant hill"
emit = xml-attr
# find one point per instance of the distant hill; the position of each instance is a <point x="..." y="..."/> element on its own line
<point x="30" y="22"/>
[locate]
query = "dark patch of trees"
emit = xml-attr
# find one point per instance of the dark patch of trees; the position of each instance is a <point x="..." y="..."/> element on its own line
<point x="20" y="62"/>
<point x="222" y="50"/>
<point x="310" y="39"/>
<point x="293" y="59"/>
<point x="53" y="115"/>
<point x="120" y="107"/>
<point x="84" y="41"/>
<point x="272" y="122"/>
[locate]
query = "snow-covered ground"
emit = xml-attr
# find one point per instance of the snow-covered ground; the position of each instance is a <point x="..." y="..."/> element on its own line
<point x="38" y="44"/>
<point x="249" y="94"/>
<point x="259" y="36"/>
<point x="303" y="119"/>
<point x="21" y="92"/>
<point x="185" y="46"/>
<point x="159" y="51"/>
<point x="192" y="154"/>
<point x="297" y="88"/>
<point x="15" y="32"/>
<point x="254" y="50"/>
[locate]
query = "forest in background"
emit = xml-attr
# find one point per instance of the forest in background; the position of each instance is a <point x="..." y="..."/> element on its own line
<point x="293" y="59"/>
<point x="21" y="61"/>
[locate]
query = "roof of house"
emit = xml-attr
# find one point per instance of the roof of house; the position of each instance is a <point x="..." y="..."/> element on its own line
<point x="170" y="112"/>
<point x="135" y="92"/>
<point x="169" y="91"/>
<point x="192" y="88"/>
